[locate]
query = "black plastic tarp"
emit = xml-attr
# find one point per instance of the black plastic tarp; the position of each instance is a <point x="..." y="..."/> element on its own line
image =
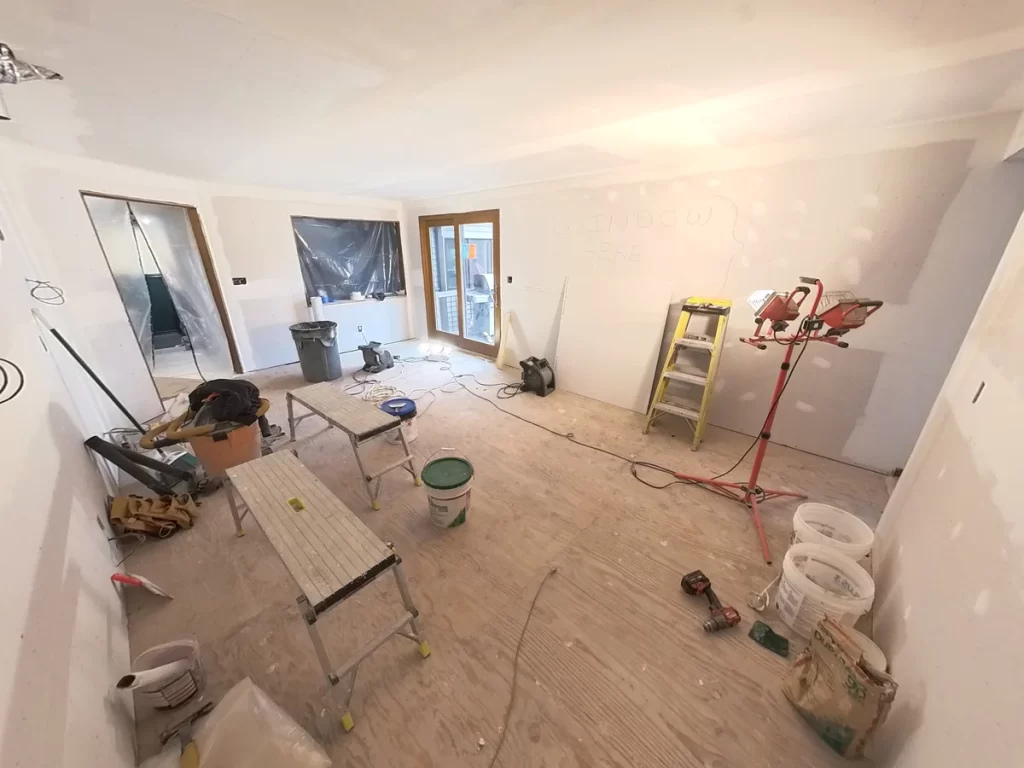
<point x="339" y="257"/>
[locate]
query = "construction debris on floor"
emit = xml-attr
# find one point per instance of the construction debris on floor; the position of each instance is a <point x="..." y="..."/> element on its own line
<point x="543" y="496"/>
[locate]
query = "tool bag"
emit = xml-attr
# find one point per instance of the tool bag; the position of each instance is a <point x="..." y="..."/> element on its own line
<point x="161" y="516"/>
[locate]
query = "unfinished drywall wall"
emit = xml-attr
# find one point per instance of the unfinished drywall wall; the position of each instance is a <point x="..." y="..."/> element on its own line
<point x="1015" y="149"/>
<point x="917" y="218"/>
<point x="253" y="241"/>
<point x="949" y="565"/>
<point x="257" y="236"/>
<point x="64" y="637"/>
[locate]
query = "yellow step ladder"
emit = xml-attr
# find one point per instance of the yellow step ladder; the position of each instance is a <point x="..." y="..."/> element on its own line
<point x="692" y="362"/>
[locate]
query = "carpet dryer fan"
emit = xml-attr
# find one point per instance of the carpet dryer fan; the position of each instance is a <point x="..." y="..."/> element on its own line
<point x="538" y="376"/>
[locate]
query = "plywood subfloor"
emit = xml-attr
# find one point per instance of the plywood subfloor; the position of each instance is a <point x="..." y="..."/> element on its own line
<point x="615" y="669"/>
<point x="169" y="386"/>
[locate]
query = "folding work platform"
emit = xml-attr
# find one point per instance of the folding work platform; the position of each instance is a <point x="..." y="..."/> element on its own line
<point x="360" y="420"/>
<point x="328" y="551"/>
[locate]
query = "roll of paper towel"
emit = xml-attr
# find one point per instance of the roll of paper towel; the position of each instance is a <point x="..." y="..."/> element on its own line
<point x="316" y="307"/>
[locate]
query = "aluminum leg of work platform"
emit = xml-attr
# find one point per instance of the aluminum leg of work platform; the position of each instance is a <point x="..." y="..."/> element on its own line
<point x="233" y="504"/>
<point x="372" y="487"/>
<point x="291" y="415"/>
<point x="293" y="420"/>
<point x="343" y="679"/>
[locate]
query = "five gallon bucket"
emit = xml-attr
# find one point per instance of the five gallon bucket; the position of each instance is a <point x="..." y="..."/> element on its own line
<point x="317" y="345"/>
<point x="166" y="675"/>
<point x="448" y="481"/>
<point x="239" y="445"/>
<point x="405" y="409"/>
<point x="819" y="581"/>
<point x="832" y="527"/>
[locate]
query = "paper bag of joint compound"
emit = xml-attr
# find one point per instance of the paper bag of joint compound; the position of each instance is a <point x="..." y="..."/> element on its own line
<point x="842" y="698"/>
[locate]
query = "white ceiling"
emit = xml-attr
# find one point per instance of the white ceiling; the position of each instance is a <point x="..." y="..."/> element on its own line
<point x="412" y="98"/>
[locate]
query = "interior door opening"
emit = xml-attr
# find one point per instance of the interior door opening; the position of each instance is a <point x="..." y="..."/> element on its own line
<point x="160" y="263"/>
<point x="462" y="268"/>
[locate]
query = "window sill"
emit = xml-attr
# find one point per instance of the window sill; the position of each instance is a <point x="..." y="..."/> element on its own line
<point x="370" y="300"/>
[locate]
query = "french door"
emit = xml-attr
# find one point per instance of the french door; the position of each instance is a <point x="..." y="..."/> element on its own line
<point x="462" y="271"/>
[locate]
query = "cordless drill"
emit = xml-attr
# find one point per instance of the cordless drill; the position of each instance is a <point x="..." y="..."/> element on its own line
<point x="722" y="617"/>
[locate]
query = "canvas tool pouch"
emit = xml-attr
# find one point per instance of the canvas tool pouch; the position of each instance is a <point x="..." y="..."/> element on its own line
<point x="844" y="700"/>
<point x="155" y="517"/>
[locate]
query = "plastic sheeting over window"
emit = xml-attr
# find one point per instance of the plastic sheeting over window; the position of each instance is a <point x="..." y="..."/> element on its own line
<point x="341" y="257"/>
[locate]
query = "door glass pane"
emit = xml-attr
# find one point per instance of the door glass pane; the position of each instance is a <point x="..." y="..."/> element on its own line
<point x="442" y="267"/>
<point x="478" y="280"/>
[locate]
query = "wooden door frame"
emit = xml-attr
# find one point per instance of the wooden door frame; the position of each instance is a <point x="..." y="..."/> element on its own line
<point x="205" y="255"/>
<point x="489" y="216"/>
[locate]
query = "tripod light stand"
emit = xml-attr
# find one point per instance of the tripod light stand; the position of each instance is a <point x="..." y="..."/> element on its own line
<point x="831" y="316"/>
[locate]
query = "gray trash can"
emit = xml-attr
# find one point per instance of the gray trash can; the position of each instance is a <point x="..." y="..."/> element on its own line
<point x="317" y="345"/>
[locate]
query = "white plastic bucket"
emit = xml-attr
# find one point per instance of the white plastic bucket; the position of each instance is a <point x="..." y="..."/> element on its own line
<point x="408" y="429"/>
<point x="449" y="482"/>
<point x="174" y="691"/>
<point x="405" y="408"/>
<point x="872" y="654"/>
<point x="820" y="581"/>
<point x="832" y="527"/>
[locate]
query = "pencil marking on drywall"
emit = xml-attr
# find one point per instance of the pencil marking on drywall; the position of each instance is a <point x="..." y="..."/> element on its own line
<point x="981" y="388"/>
<point x="698" y="217"/>
<point x="735" y="223"/>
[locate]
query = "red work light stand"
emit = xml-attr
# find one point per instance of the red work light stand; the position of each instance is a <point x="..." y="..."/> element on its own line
<point x="841" y="317"/>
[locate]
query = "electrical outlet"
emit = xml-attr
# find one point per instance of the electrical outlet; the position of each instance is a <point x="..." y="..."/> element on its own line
<point x="238" y="281"/>
<point x="509" y="278"/>
<point x="359" y="329"/>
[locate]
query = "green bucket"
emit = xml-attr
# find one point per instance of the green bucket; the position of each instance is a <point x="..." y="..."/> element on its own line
<point x="448" y="481"/>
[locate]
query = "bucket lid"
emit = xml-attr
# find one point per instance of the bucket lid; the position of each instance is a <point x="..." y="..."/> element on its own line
<point x="446" y="473"/>
<point x="403" y="407"/>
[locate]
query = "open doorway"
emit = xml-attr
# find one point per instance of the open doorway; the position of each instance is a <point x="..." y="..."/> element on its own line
<point x="160" y="263"/>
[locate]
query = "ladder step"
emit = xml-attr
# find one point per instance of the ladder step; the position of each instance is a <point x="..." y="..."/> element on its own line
<point x="706" y="309"/>
<point x="693" y="378"/>
<point x="696" y="343"/>
<point x="678" y="410"/>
